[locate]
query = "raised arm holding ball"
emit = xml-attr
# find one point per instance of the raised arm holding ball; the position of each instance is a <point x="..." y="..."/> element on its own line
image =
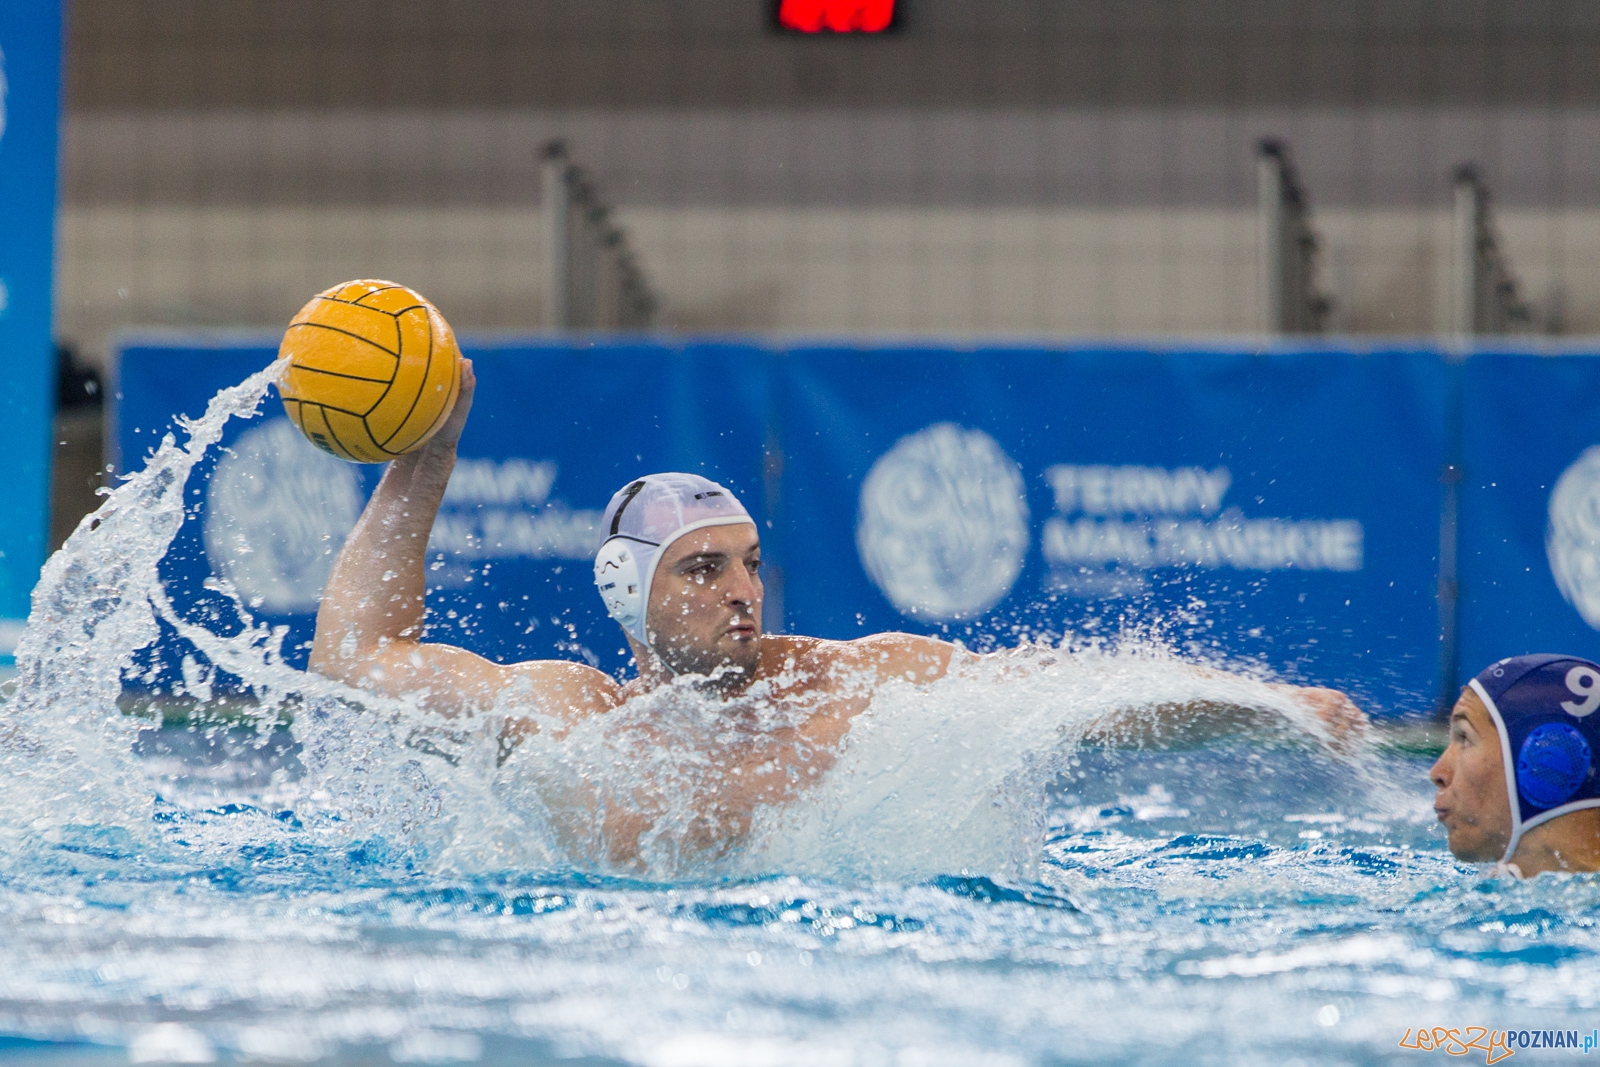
<point x="369" y="625"/>
<point x="678" y="568"/>
<point x="373" y="374"/>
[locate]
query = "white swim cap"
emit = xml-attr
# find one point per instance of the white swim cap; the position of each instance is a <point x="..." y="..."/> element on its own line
<point x="643" y="518"/>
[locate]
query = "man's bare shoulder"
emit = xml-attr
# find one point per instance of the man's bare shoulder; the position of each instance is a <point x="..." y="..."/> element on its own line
<point x="885" y="655"/>
<point x="798" y="652"/>
<point x="791" y="644"/>
<point x="569" y="690"/>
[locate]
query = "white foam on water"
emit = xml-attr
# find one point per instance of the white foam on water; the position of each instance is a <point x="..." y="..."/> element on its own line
<point x="953" y="776"/>
<point x="936" y="778"/>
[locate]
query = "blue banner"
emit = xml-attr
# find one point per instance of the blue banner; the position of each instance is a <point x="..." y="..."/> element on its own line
<point x="555" y="430"/>
<point x="30" y="79"/>
<point x="1530" y="507"/>
<point x="1283" y="507"/>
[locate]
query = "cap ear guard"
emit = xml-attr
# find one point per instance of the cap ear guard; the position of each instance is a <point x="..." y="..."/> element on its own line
<point x="616" y="575"/>
<point x="1553" y="764"/>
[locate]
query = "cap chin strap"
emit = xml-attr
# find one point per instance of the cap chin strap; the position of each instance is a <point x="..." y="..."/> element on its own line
<point x="1518" y="826"/>
<point x="1500" y="730"/>
<point x="631" y="610"/>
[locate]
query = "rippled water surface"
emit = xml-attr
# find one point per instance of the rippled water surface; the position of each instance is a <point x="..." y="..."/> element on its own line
<point x="283" y="873"/>
<point x="1179" y="913"/>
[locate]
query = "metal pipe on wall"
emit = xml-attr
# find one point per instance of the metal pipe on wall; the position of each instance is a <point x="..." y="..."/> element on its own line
<point x="592" y="281"/>
<point x="554" y="189"/>
<point x="1484" y="297"/>
<point x="1269" y="182"/>
<point x="1290" y="302"/>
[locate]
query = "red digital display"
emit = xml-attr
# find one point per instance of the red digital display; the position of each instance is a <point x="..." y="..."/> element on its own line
<point x="836" y="16"/>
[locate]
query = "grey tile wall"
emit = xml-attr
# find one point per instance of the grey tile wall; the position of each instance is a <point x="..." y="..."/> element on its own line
<point x="1040" y="167"/>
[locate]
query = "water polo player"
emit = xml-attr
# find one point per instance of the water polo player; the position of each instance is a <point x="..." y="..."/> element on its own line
<point x="1517" y="784"/>
<point x="679" y="570"/>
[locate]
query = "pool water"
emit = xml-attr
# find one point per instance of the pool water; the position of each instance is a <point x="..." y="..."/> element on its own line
<point x="1180" y="911"/>
<point x="293" y="874"/>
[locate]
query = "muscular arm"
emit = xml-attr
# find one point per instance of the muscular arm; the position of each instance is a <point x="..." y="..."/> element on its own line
<point x="369" y="625"/>
<point x="880" y="658"/>
<point x="1200" y="720"/>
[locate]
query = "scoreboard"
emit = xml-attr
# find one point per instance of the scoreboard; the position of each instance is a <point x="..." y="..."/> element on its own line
<point x="835" y="16"/>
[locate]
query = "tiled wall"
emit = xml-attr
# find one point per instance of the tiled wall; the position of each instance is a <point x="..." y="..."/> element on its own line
<point x="872" y="271"/>
<point x="997" y="168"/>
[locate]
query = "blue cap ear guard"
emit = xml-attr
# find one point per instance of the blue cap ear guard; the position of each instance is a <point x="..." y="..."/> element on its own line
<point x="1543" y="709"/>
<point x="1553" y="763"/>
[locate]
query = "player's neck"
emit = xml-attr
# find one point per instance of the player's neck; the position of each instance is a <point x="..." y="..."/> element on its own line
<point x="1568" y="843"/>
<point x="726" y="683"/>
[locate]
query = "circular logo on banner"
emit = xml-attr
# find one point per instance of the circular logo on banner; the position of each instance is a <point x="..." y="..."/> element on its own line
<point x="1572" y="540"/>
<point x="943" y="525"/>
<point x="276" y="515"/>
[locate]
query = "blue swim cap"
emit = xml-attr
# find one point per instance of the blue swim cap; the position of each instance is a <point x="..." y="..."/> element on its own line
<point x="1543" y="707"/>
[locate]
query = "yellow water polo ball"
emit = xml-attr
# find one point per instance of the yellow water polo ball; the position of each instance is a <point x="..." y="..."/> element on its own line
<point x="373" y="370"/>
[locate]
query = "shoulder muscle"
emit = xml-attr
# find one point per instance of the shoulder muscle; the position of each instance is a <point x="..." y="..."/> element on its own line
<point x="890" y="656"/>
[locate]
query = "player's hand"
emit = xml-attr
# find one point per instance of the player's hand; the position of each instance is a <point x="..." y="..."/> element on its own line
<point x="450" y="432"/>
<point x="1347" y="725"/>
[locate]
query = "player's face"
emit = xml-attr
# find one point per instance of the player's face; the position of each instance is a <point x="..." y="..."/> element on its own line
<point x="705" y="603"/>
<point x="1470" y="777"/>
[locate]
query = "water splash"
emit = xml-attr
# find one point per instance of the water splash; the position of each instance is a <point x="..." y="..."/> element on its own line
<point x="953" y="776"/>
<point x="956" y="776"/>
<point x="65" y="745"/>
<point x="930" y="779"/>
<point x="983" y="872"/>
